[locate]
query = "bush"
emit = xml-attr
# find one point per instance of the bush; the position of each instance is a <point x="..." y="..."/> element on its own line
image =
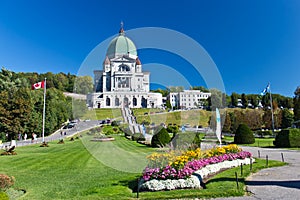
<point x="61" y="141"/>
<point x="3" y="196"/>
<point x="115" y="123"/>
<point x="6" y="182"/>
<point x="161" y="138"/>
<point x="189" y="140"/>
<point x="138" y="137"/>
<point x="172" y="129"/>
<point x="244" y="135"/>
<point x="288" y="138"/>
<point x="44" y="144"/>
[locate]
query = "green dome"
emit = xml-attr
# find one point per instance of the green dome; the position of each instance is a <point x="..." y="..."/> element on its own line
<point x="121" y="45"/>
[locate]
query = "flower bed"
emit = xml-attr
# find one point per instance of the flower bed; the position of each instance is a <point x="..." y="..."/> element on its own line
<point x="186" y="169"/>
<point x="194" y="181"/>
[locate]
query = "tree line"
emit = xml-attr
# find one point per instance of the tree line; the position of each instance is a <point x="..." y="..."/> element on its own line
<point x="21" y="108"/>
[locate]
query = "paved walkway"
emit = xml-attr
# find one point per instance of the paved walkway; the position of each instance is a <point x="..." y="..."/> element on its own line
<point x="81" y="126"/>
<point x="274" y="183"/>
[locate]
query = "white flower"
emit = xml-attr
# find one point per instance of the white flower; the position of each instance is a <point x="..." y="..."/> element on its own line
<point x="194" y="180"/>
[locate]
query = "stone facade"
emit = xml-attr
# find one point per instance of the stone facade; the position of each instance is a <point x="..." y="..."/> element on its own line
<point x="122" y="81"/>
<point x="188" y="99"/>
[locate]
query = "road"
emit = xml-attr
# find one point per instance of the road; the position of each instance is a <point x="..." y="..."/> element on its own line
<point x="282" y="183"/>
<point x="81" y="126"/>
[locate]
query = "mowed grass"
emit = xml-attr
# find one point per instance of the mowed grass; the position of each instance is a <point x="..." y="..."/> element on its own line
<point x="70" y="171"/>
<point x="259" y="142"/>
<point x="103" y="113"/>
<point x="192" y="117"/>
<point x="66" y="171"/>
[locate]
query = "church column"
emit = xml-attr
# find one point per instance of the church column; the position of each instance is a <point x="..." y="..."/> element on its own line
<point x="112" y="86"/>
<point x="116" y="83"/>
<point x="104" y="82"/>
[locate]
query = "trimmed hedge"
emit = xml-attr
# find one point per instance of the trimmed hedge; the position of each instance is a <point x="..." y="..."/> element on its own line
<point x="161" y="139"/>
<point x="288" y="138"/>
<point x="244" y="135"/>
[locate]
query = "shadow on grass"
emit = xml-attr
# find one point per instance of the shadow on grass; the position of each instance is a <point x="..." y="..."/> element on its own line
<point x="289" y="184"/>
<point x="225" y="179"/>
<point x="131" y="184"/>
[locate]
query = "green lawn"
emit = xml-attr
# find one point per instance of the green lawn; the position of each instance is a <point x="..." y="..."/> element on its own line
<point x="192" y="117"/>
<point x="70" y="171"/>
<point x="103" y="113"/>
<point x="259" y="142"/>
<point x="65" y="171"/>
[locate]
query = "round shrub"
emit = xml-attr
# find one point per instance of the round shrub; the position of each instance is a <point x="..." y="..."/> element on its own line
<point x="244" y="135"/>
<point x="288" y="138"/>
<point x="161" y="138"/>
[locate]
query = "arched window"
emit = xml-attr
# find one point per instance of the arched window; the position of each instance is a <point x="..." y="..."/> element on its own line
<point x="117" y="102"/>
<point x="126" y="102"/>
<point x="134" y="101"/>
<point x="124" y="68"/>
<point x="107" y="101"/>
<point x="144" y="103"/>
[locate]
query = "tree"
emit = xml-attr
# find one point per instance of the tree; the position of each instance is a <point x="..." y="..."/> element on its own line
<point x="297" y="105"/>
<point x="216" y="99"/>
<point x="176" y="88"/>
<point x="15" y="111"/>
<point x="253" y="99"/>
<point x="161" y="138"/>
<point x="244" y="100"/>
<point x="267" y="118"/>
<point x="234" y="99"/>
<point x="83" y="85"/>
<point x="244" y="135"/>
<point x="168" y="104"/>
<point x="227" y="123"/>
<point x="201" y="88"/>
<point x="287" y="118"/>
<point x="162" y="91"/>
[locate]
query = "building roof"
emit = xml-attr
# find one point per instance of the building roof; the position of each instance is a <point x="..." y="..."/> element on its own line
<point x="106" y="61"/>
<point x="121" y="45"/>
<point x="138" y="62"/>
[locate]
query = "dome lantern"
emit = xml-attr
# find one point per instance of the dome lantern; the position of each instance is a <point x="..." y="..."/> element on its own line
<point x="121" y="45"/>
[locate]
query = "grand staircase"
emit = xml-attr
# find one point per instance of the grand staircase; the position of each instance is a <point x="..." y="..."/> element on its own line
<point x="133" y="125"/>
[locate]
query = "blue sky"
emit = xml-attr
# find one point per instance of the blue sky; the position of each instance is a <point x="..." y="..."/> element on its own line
<point x="252" y="42"/>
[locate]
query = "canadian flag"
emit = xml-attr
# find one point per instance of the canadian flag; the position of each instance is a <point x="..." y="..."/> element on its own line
<point x="38" y="85"/>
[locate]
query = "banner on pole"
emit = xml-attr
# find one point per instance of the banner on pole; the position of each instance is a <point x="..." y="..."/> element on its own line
<point x="38" y="85"/>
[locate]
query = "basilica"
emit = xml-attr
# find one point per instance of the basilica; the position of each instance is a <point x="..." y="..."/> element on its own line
<point x="122" y="81"/>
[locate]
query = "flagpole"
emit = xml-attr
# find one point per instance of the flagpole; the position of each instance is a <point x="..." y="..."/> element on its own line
<point x="272" y="112"/>
<point x="44" y="110"/>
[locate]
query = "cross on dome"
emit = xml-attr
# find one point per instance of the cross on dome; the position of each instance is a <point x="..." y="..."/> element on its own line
<point x="122" y="29"/>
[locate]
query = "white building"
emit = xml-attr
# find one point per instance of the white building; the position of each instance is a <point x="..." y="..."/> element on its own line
<point x="122" y="82"/>
<point x="188" y="99"/>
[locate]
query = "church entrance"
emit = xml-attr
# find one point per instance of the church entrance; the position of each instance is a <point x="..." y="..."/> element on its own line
<point x="144" y="103"/>
<point x="126" y="104"/>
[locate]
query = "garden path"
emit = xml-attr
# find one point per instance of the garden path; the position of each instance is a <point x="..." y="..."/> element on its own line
<point x="274" y="183"/>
